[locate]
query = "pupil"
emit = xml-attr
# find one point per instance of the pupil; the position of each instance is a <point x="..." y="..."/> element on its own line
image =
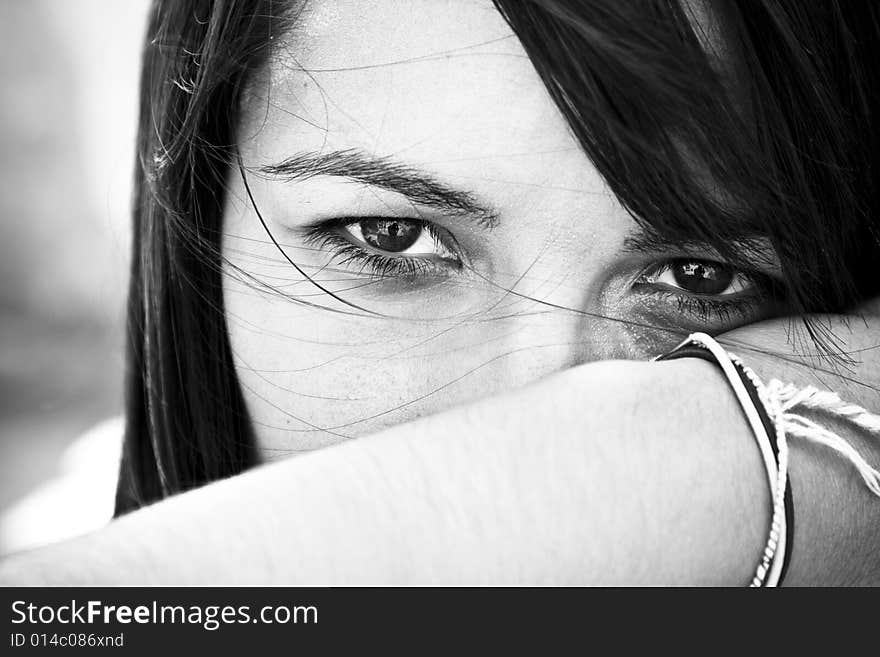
<point x="702" y="277"/>
<point x="390" y="234"/>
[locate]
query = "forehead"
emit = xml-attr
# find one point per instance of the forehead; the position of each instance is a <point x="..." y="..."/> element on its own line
<point x="442" y="84"/>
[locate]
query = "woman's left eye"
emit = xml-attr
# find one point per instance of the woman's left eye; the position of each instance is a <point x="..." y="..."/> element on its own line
<point x="699" y="277"/>
<point x="714" y="294"/>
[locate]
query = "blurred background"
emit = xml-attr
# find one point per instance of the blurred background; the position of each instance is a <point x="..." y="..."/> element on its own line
<point x="69" y="71"/>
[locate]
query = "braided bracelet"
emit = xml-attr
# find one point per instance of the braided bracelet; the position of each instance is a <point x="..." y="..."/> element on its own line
<point x="769" y="411"/>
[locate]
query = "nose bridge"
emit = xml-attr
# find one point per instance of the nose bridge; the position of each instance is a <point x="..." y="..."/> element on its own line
<point x="558" y="323"/>
<point x="556" y="270"/>
<point x="542" y="338"/>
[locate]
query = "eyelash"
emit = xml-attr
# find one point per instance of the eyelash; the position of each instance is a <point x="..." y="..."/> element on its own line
<point x="703" y="308"/>
<point x="707" y="309"/>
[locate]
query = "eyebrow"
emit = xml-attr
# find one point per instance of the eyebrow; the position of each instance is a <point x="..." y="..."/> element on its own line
<point x="755" y="249"/>
<point x="419" y="187"/>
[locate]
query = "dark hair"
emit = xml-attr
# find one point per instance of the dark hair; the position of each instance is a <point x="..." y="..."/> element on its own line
<point x="777" y="138"/>
<point x="186" y="422"/>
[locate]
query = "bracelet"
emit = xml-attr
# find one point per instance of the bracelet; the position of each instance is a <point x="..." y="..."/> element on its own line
<point x="754" y="402"/>
<point x="770" y="412"/>
<point x="772" y="416"/>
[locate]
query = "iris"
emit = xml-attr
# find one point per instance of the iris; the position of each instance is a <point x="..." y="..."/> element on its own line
<point x="390" y="234"/>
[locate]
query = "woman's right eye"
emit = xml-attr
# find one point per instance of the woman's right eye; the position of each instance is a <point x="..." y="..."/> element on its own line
<point x="410" y="237"/>
<point x="388" y="246"/>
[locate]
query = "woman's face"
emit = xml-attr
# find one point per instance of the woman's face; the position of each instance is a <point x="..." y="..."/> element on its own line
<point x="433" y="232"/>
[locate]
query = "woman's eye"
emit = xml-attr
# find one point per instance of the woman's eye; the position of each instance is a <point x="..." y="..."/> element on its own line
<point x="401" y="237"/>
<point x="700" y="277"/>
<point x="714" y="294"/>
<point x="389" y="247"/>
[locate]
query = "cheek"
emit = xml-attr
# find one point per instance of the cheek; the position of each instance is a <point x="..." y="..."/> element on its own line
<point x="312" y="378"/>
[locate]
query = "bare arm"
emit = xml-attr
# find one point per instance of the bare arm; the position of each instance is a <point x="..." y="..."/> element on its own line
<point x="612" y="472"/>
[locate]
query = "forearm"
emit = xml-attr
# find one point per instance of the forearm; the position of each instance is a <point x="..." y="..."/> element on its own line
<point x="620" y="491"/>
<point x="615" y="472"/>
